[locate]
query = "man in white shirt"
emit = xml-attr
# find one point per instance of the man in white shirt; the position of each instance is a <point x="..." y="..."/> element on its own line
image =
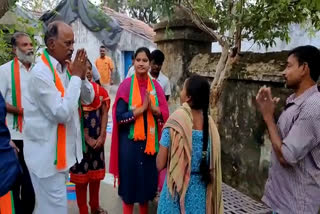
<point x="14" y="81"/>
<point x="52" y="133"/>
<point x="157" y="58"/>
<point x="131" y="68"/>
<point x="95" y="74"/>
<point x="130" y="71"/>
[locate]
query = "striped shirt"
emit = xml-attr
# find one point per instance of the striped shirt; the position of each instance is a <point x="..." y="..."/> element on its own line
<point x="296" y="189"/>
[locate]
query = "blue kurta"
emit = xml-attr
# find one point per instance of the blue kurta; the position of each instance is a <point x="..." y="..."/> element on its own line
<point x="195" y="200"/>
<point x="138" y="175"/>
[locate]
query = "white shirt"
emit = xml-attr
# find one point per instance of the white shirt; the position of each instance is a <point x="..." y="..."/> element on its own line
<point x="44" y="110"/>
<point x="162" y="80"/>
<point x="95" y="74"/>
<point x="165" y="83"/>
<point x="6" y="91"/>
<point x="130" y="72"/>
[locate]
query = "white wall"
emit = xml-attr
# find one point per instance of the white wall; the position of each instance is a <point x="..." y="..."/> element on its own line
<point x="298" y="35"/>
<point x="86" y="39"/>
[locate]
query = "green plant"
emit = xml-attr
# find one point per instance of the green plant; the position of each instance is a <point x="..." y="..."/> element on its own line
<point x="31" y="27"/>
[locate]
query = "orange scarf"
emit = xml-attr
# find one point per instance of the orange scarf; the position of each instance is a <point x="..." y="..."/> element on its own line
<point x="16" y="93"/>
<point x="137" y="131"/>
<point x="61" y="151"/>
<point x="6" y="204"/>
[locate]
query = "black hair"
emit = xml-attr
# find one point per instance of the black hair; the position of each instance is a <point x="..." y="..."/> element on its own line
<point x="198" y="88"/>
<point x="102" y="46"/>
<point x="145" y="50"/>
<point x="89" y="63"/>
<point x="51" y="31"/>
<point x="310" y="55"/>
<point x="15" y="37"/>
<point x="157" y="56"/>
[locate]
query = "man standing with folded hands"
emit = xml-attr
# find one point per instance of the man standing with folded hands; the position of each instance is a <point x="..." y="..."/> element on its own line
<point x="53" y="127"/>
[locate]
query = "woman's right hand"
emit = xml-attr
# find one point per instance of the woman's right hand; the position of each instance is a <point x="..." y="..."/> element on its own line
<point x="144" y="107"/>
<point x="92" y="142"/>
<point x="146" y="102"/>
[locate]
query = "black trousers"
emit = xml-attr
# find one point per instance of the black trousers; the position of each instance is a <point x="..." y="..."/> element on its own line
<point x="23" y="193"/>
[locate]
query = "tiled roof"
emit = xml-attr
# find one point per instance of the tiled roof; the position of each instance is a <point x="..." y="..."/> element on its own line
<point x="36" y="14"/>
<point x="132" y="25"/>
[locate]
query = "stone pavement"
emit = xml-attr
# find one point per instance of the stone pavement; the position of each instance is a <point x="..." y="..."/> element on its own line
<point x="109" y="200"/>
<point x="234" y="201"/>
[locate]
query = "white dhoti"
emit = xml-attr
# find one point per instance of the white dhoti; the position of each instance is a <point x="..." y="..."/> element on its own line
<point x="51" y="194"/>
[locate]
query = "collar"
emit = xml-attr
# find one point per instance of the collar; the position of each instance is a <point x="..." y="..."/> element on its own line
<point x="299" y="100"/>
<point x="56" y="64"/>
<point x="22" y="67"/>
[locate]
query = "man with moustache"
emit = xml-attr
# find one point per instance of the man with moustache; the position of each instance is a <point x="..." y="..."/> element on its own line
<point x="52" y="130"/>
<point x="293" y="185"/>
<point x="14" y="81"/>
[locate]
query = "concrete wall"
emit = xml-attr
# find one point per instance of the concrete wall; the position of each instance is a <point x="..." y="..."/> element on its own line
<point x="245" y="144"/>
<point x="180" y="40"/>
<point x="246" y="147"/>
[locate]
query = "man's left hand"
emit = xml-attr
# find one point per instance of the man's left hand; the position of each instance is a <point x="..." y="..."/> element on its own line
<point x="13" y="145"/>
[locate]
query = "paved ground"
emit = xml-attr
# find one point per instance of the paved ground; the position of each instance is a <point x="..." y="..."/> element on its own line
<point x="234" y="201"/>
<point x="109" y="199"/>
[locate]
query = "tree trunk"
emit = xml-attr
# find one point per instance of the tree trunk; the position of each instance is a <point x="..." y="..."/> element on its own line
<point x="217" y="84"/>
<point x="4" y="7"/>
<point x="224" y="61"/>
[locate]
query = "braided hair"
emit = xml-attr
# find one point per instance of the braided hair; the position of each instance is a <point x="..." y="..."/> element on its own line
<point x="198" y="88"/>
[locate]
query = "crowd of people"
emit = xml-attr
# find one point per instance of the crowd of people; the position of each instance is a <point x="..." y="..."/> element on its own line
<point x="53" y="121"/>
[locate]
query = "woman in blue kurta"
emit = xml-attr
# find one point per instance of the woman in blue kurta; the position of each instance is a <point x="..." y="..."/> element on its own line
<point x="190" y="149"/>
<point x="139" y="112"/>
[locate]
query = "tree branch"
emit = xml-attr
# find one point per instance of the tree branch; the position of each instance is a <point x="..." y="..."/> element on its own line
<point x="200" y="23"/>
<point x="221" y="66"/>
<point x="5" y="6"/>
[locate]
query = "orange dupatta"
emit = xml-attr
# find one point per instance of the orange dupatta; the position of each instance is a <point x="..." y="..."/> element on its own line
<point x="6" y="204"/>
<point x="137" y="131"/>
<point x="61" y="151"/>
<point x="16" y="93"/>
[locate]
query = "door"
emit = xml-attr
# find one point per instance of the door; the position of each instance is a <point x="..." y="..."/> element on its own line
<point x="127" y="61"/>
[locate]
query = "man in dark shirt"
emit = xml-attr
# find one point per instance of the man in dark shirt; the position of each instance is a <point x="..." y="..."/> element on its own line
<point x="9" y="164"/>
